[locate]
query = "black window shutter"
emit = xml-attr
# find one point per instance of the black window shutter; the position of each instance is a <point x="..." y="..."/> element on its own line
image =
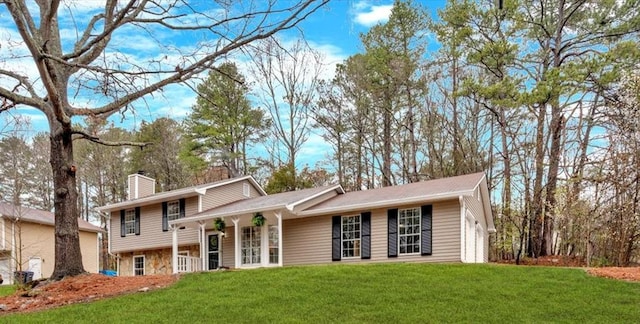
<point x="392" y="233"/>
<point x="366" y="236"/>
<point x="122" y="227"/>
<point x="426" y="229"/>
<point x="165" y="224"/>
<point x="336" y="240"/>
<point x="137" y="220"/>
<point x="182" y="203"/>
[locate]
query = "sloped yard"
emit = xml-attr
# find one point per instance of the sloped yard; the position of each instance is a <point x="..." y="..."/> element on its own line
<point x="343" y="293"/>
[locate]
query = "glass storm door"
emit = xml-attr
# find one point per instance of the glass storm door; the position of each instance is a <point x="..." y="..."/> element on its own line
<point x="213" y="250"/>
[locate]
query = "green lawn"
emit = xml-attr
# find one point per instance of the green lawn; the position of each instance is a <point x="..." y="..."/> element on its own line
<point x="7" y="290"/>
<point x="377" y="293"/>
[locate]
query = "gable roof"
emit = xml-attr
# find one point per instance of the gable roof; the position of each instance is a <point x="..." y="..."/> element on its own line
<point x="286" y="200"/>
<point x="178" y="193"/>
<point x="37" y="216"/>
<point x="431" y="190"/>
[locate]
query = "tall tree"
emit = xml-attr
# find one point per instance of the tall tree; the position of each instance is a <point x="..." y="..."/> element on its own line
<point x="287" y="78"/>
<point x="161" y="160"/>
<point x="94" y="63"/>
<point x="223" y="125"/>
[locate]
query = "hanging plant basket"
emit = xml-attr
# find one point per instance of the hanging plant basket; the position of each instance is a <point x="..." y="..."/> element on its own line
<point x="219" y="225"/>
<point x="258" y="219"/>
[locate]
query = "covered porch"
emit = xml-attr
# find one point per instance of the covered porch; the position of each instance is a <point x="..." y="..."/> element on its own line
<point x="253" y="246"/>
<point x="253" y="243"/>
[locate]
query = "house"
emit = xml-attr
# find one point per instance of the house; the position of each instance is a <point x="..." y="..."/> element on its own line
<point x="443" y="220"/>
<point x="27" y="242"/>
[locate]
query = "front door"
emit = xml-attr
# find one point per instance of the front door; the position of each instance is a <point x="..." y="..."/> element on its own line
<point x="213" y="251"/>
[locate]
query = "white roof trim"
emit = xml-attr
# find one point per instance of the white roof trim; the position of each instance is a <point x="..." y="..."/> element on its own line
<point x="181" y="221"/>
<point x="337" y="188"/>
<point x="385" y="203"/>
<point x="163" y="196"/>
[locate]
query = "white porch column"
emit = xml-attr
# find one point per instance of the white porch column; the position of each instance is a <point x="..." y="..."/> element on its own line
<point x="236" y="241"/>
<point x="203" y="245"/>
<point x="174" y="248"/>
<point x="280" y="252"/>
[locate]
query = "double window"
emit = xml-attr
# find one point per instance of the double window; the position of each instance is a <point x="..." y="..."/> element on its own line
<point x="253" y="242"/>
<point x="351" y="236"/>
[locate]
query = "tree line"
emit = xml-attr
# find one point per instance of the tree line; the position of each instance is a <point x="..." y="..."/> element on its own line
<point x="542" y="96"/>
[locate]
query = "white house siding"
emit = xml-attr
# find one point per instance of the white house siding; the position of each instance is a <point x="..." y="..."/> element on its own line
<point x="219" y="196"/>
<point x="308" y="240"/>
<point x="474" y="206"/>
<point x="151" y="234"/>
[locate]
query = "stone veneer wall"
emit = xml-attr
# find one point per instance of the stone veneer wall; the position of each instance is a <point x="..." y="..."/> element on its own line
<point x="155" y="261"/>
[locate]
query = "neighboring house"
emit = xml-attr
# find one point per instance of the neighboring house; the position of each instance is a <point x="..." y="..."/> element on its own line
<point x="444" y="220"/>
<point x="27" y="242"/>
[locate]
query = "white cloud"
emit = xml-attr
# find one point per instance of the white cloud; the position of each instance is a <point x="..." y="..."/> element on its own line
<point x="368" y="15"/>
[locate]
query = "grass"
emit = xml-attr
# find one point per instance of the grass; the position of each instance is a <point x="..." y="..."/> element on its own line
<point x="7" y="290"/>
<point x="375" y="293"/>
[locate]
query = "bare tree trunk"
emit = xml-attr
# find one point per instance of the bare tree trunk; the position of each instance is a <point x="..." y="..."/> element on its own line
<point x="68" y="261"/>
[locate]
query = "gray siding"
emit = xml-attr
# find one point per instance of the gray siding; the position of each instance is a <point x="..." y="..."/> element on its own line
<point x="316" y="200"/>
<point x="151" y="234"/>
<point x="219" y="196"/>
<point x="308" y="240"/>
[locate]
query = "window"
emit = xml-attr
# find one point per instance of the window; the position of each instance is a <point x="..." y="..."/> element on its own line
<point x="351" y="236"/>
<point x="409" y="230"/>
<point x="173" y="210"/>
<point x="130" y="221"/>
<point x="273" y="244"/>
<point x="245" y="190"/>
<point x="251" y="241"/>
<point x="138" y="265"/>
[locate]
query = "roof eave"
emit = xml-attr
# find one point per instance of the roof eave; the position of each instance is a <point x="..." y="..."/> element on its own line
<point x="208" y="216"/>
<point x="160" y="197"/>
<point x="386" y="203"/>
<point x="337" y="188"/>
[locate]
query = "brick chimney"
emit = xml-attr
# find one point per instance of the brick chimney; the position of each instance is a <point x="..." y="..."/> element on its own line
<point x="140" y="186"/>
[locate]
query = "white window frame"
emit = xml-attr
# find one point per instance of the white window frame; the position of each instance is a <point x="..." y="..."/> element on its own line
<point x="345" y="236"/>
<point x="273" y="242"/>
<point x="173" y="210"/>
<point x="130" y="221"/>
<point x="246" y="191"/>
<point x="251" y="247"/>
<point x="143" y="265"/>
<point x="412" y="233"/>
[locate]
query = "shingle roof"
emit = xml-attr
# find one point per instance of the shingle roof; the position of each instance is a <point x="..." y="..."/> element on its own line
<point x="264" y="203"/>
<point x="444" y="188"/>
<point x="175" y="194"/>
<point x="40" y="217"/>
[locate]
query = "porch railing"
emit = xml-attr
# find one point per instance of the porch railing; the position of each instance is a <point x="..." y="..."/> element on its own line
<point x="189" y="264"/>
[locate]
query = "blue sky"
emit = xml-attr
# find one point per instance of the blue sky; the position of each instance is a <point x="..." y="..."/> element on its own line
<point x="333" y="31"/>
